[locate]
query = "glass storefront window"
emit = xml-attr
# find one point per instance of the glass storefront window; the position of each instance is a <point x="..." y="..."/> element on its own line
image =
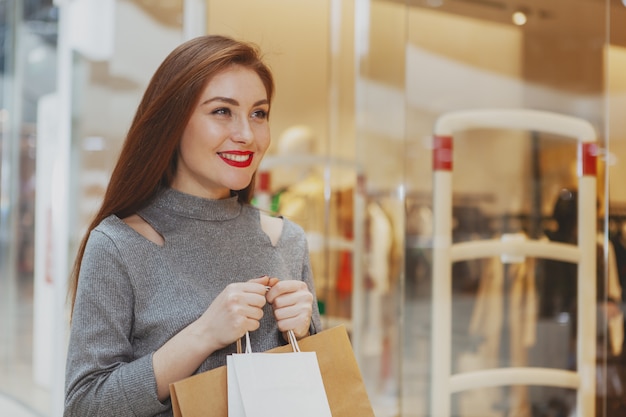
<point x="28" y="68"/>
<point x="309" y="174"/>
<point x="421" y="60"/>
<point x="110" y="65"/>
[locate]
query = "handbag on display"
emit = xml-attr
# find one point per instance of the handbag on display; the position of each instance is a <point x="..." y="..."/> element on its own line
<point x="207" y="393"/>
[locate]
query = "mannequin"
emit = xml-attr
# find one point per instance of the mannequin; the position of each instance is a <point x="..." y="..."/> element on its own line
<point x="379" y="323"/>
<point x="294" y="143"/>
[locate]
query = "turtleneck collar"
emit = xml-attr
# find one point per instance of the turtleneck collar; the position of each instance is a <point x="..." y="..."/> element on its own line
<point x="191" y="206"/>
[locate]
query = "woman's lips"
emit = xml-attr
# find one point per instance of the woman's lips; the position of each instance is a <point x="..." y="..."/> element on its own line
<point x="237" y="159"/>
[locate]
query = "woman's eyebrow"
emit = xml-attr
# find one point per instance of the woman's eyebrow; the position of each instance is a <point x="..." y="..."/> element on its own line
<point x="232" y="101"/>
<point x="223" y="99"/>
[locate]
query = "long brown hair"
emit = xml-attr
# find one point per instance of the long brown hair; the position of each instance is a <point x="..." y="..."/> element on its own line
<point x="148" y="158"/>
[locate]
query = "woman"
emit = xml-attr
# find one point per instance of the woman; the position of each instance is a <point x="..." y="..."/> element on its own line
<point x="177" y="265"/>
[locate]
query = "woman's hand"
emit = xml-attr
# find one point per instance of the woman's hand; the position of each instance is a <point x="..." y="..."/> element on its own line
<point x="236" y="310"/>
<point x="293" y="305"/>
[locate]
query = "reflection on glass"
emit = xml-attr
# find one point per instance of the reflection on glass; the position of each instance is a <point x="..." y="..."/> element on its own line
<point x="423" y="59"/>
<point x="28" y="67"/>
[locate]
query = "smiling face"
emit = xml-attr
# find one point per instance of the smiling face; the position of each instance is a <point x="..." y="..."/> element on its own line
<point x="226" y="136"/>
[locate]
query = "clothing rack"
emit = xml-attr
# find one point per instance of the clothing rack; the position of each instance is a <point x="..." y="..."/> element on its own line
<point x="617" y="212"/>
<point x="445" y="253"/>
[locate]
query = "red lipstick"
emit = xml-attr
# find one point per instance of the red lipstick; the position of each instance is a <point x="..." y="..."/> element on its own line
<point x="238" y="159"/>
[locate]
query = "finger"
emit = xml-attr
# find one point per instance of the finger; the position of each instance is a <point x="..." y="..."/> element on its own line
<point x="253" y="313"/>
<point x="293" y="310"/>
<point x="285" y="287"/>
<point x="299" y="324"/>
<point x="301" y="296"/>
<point x="256" y="300"/>
<point x="252" y="325"/>
<point x="256" y="285"/>
<point x="263" y="280"/>
<point x="245" y="324"/>
<point x="245" y="294"/>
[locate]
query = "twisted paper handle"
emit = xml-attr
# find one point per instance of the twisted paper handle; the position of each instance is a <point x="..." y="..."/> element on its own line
<point x="292" y="341"/>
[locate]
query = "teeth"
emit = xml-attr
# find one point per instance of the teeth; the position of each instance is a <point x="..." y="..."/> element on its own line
<point x="236" y="158"/>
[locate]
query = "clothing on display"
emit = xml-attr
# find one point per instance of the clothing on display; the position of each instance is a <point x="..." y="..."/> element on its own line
<point x="508" y="299"/>
<point x="618" y="241"/>
<point x="488" y="321"/>
<point x="516" y="300"/>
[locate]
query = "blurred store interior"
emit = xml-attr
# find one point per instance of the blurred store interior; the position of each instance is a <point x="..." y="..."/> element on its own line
<point x="361" y="85"/>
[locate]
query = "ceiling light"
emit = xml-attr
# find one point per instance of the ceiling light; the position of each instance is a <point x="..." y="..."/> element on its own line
<point x="520" y="19"/>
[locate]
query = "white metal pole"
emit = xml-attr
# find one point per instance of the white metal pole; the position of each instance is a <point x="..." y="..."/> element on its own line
<point x="60" y="207"/>
<point x="194" y="18"/>
<point x="441" y="296"/>
<point x="586" y="311"/>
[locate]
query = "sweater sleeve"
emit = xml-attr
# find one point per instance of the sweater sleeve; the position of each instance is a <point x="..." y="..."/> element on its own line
<point x="103" y="378"/>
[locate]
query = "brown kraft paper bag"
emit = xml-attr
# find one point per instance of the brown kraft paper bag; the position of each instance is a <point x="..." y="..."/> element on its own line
<point x="206" y="394"/>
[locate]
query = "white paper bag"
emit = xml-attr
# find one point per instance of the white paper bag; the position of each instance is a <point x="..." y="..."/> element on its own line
<point x="275" y="384"/>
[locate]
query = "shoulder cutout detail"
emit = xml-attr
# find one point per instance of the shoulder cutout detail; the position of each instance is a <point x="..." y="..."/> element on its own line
<point x="272" y="226"/>
<point x="144" y="229"/>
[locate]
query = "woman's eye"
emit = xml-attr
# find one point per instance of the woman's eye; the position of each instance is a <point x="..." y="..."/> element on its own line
<point x="222" y="110"/>
<point x="260" y="114"/>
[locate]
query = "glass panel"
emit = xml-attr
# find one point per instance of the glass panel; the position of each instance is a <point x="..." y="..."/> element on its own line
<point x="510" y="313"/>
<point x="9" y="197"/>
<point x="615" y="375"/>
<point x="308" y="174"/>
<point x="110" y="50"/>
<point x="381" y="152"/>
<point x="28" y="67"/>
<point x="419" y="60"/>
<point x="112" y="68"/>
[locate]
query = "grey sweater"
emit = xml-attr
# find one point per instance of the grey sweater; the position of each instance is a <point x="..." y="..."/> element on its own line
<point x="134" y="295"/>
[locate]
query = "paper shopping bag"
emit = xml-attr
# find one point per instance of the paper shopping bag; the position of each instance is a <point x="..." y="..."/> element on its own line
<point x="206" y="394"/>
<point x="235" y="403"/>
<point x="275" y="384"/>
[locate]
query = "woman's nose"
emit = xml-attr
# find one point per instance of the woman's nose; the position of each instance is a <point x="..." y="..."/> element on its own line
<point x="242" y="131"/>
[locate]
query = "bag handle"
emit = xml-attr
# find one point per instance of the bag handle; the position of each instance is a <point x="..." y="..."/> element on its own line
<point x="292" y="341"/>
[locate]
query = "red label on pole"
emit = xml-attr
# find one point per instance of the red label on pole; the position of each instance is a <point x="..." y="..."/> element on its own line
<point x="264" y="181"/>
<point x="442" y="153"/>
<point x="588" y="159"/>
